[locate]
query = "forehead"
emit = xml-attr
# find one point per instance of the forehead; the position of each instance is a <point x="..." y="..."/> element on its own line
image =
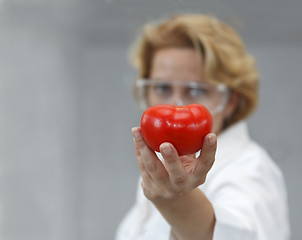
<point x="177" y="63"/>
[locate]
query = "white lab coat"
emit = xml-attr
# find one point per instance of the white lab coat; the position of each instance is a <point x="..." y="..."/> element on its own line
<point x="245" y="187"/>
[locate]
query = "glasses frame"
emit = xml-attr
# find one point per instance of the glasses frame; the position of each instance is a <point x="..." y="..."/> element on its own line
<point x="144" y="82"/>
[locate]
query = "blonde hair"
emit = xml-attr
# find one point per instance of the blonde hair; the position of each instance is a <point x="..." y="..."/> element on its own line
<point x="225" y="58"/>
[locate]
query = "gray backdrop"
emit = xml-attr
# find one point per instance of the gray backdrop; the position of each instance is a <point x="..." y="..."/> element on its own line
<point x="67" y="167"/>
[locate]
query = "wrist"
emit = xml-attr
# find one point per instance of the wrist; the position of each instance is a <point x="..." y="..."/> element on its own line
<point x="176" y="201"/>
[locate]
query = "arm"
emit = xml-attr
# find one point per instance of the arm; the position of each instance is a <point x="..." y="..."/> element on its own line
<point x="172" y="186"/>
<point x="190" y="216"/>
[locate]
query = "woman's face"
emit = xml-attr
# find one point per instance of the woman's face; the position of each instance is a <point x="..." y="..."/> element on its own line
<point x="178" y="67"/>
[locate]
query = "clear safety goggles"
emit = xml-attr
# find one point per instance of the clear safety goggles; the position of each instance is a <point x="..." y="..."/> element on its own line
<point x="152" y="92"/>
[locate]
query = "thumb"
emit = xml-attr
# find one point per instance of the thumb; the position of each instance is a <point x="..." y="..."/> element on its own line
<point x="207" y="155"/>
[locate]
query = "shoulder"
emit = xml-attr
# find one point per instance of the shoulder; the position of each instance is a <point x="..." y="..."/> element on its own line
<point x="241" y="160"/>
<point x="253" y="160"/>
<point x="237" y="151"/>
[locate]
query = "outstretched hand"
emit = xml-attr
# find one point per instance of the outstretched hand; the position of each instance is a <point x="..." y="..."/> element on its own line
<point x="176" y="175"/>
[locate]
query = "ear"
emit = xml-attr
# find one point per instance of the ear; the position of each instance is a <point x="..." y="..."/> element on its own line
<point x="231" y="104"/>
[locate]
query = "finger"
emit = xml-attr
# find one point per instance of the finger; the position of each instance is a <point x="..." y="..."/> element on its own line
<point x="144" y="173"/>
<point x="174" y="165"/>
<point x="188" y="163"/>
<point x="151" y="163"/>
<point x="192" y="155"/>
<point x="207" y="156"/>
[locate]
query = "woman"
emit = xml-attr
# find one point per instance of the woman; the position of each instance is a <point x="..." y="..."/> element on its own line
<point x="241" y="194"/>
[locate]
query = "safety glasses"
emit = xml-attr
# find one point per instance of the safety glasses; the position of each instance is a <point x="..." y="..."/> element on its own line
<point x="152" y="92"/>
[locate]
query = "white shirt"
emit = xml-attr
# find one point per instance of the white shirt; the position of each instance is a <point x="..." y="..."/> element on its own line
<point x="245" y="187"/>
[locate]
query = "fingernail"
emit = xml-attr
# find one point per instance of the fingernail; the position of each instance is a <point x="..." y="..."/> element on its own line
<point x="166" y="149"/>
<point x="212" y="139"/>
<point x="136" y="133"/>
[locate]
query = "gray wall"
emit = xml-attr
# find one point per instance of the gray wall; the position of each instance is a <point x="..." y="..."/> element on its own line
<point x="67" y="167"/>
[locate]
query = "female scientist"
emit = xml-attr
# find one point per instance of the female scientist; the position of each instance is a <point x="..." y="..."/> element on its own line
<point x="232" y="189"/>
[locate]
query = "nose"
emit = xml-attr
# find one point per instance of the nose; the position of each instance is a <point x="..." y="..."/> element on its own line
<point x="178" y="102"/>
<point x="177" y="99"/>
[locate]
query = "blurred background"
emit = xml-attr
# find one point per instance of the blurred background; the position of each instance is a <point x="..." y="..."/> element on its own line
<point x="67" y="167"/>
